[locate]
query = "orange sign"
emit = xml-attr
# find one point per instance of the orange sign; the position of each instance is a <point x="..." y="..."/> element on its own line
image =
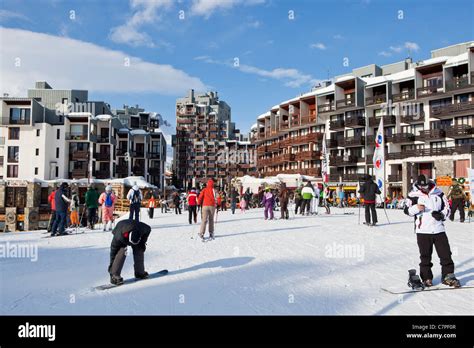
<point x="444" y="181"/>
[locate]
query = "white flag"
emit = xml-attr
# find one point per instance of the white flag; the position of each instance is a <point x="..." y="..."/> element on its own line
<point x="324" y="161"/>
<point x="471" y="183"/>
<point x="379" y="158"/>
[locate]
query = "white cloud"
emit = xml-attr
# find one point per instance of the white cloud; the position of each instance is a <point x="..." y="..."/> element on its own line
<point x="206" y="8"/>
<point x="6" y="15"/>
<point x="68" y="63"/>
<point x="318" y="45"/>
<point x="338" y="37"/>
<point x="412" y="46"/>
<point x="385" y="54"/>
<point x="396" y="49"/>
<point x="144" y="12"/>
<point x="254" y="24"/>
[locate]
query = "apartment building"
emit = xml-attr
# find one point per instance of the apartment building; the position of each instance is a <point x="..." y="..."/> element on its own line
<point x="56" y="134"/>
<point x="207" y="144"/>
<point x="428" y="115"/>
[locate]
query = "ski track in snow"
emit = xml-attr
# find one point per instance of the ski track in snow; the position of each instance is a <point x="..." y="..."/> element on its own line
<point x="252" y="267"/>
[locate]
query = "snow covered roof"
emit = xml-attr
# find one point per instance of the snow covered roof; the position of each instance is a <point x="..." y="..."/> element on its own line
<point x="262" y="116"/>
<point x="456" y="60"/>
<point x="133" y="180"/>
<point x="138" y="132"/>
<point x="254" y="126"/>
<point x="123" y="130"/>
<point x="81" y="114"/>
<point x="345" y="78"/>
<point x="396" y="77"/>
<point x="103" y="117"/>
<point x="325" y="90"/>
<point x="432" y="61"/>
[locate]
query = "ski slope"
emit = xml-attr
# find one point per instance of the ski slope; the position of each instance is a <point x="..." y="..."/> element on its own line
<point x="325" y="264"/>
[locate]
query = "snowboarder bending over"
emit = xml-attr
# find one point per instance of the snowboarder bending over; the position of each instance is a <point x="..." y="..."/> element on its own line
<point x="369" y="190"/>
<point x="128" y="233"/>
<point x="430" y="208"/>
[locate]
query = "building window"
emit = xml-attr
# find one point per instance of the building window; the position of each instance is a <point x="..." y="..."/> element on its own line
<point x="57" y="172"/>
<point x="37" y="132"/>
<point x="37" y="152"/>
<point x="57" y="152"/>
<point x="36" y="170"/>
<point x="13" y="153"/>
<point x="19" y="116"/>
<point x="12" y="171"/>
<point x="58" y="134"/>
<point x="14" y="133"/>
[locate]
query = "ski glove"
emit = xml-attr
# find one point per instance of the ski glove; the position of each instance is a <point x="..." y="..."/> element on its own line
<point x="438" y="216"/>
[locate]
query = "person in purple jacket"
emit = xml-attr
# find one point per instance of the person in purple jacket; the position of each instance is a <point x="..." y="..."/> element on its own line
<point x="268" y="202"/>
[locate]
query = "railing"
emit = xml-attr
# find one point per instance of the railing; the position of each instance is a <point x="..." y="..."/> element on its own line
<point x="335" y="176"/>
<point x="428" y="90"/>
<point x="139" y="154"/>
<point x="449" y="110"/>
<point x="308" y="155"/>
<point x="353" y="177"/>
<point x="331" y="143"/>
<point x="102" y="156"/>
<point x="395" y="178"/>
<point x="21" y="121"/>
<point x="308" y="119"/>
<point x="347" y="102"/>
<point x="442" y="151"/>
<point x="387" y="121"/>
<point x="120" y="152"/>
<point x="79" y="173"/>
<point x="102" y="174"/>
<point x="413" y="118"/>
<point x="121" y="169"/>
<point x="288" y="157"/>
<point x="376" y="99"/>
<point x="459" y="130"/>
<point x="80" y="155"/>
<point x="338" y="124"/>
<point x="432" y="134"/>
<point x="102" y="139"/>
<point x="311" y="172"/>
<point x="354" y="121"/>
<point x="77" y="136"/>
<point x="407" y="95"/>
<point x="457" y="83"/>
<point x="352" y="141"/>
<point x="326" y="108"/>
<point x="403" y="137"/>
<point x="184" y="121"/>
<point x="154" y="155"/>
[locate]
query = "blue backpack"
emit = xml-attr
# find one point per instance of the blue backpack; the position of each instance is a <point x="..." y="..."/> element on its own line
<point x="108" y="200"/>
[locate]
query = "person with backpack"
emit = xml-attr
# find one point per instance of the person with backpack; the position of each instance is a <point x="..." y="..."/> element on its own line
<point x="74" y="208"/>
<point x="92" y="205"/>
<point x="307" y="195"/>
<point x="151" y="206"/>
<point x="192" y="206"/>
<point x="107" y="200"/>
<point x="128" y="233"/>
<point x="298" y="199"/>
<point x="369" y="191"/>
<point x="284" y="197"/>
<point x="177" y="203"/>
<point x="233" y="200"/>
<point x="61" y="202"/>
<point x="208" y="200"/>
<point x="135" y="198"/>
<point x="458" y="197"/>
<point x="53" y="208"/>
<point x="430" y="208"/>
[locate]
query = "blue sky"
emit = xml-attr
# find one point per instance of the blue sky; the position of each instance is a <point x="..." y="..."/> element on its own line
<point x="279" y="57"/>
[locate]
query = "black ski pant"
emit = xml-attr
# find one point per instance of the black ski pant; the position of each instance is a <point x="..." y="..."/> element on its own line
<point x="177" y="209"/>
<point x="135" y="212"/>
<point x="233" y="205"/>
<point x="118" y="254"/>
<point x="51" y="220"/>
<point x="297" y="205"/>
<point x="91" y="216"/>
<point x="458" y="204"/>
<point x="151" y="212"/>
<point x="284" y="210"/>
<point x="370" y="208"/>
<point x="305" y="206"/>
<point x="192" y="214"/>
<point x="425" y="245"/>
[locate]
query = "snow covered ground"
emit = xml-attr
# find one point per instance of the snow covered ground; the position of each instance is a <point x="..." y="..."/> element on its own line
<point x="308" y="265"/>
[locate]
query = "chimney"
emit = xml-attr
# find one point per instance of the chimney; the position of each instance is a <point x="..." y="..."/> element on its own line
<point x="191" y="95"/>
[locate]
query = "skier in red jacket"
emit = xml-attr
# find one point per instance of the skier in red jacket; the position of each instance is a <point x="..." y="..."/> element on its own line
<point x="192" y="205"/>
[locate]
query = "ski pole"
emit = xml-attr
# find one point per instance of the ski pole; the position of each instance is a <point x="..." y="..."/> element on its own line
<point x="385" y="211"/>
<point x="359" y="213"/>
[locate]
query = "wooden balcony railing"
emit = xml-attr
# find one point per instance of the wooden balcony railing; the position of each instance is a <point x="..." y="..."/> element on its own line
<point x="428" y="90"/>
<point x="79" y="173"/>
<point x="80" y="155"/>
<point x="387" y="121"/>
<point x="407" y="95"/>
<point x="346" y="102"/>
<point x="432" y="134"/>
<point x="121" y="169"/>
<point x="308" y="155"/>
<point x="352" y="141"/>
<point x="453" y="109"/>
<point x="354" y="121"/>
<point x="461" y="130"/>
<point x="413" y="118"/>
<point x="328" y="107"/>
<point x="337" y="124"/>
<point x="403" y="138"/>
<point x="77" y="136"/>
<point x="102" y="156"/>
<point x="395" y="178"/>
<point x="457" y="83"/>
<point x="376" y="99"/>
<point x="442" y="151"/>
<point x="102" y="174"/>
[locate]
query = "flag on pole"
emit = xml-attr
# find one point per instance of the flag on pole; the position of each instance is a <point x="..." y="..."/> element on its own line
<point x="324" y="161"/>
<point x="379" y="158"/>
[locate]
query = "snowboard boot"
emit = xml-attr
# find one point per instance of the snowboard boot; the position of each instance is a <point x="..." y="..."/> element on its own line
<point x="116" y="280"/>
<point x="451" y="280"/>
<point x="144" y="275"/>
<point x="414" y="280"/>
<point x="428" y="283"/>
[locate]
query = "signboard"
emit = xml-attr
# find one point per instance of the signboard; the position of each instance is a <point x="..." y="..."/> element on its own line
<point x="444" y="181"/>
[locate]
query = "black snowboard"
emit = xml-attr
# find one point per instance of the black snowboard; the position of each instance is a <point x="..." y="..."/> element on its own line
<point x="133" y="280"/>
<point x="398" y="291"/>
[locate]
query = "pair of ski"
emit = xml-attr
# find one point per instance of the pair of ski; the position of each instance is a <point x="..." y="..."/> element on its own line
<point x="62" y="235"/>
<point x="132" y="280"/>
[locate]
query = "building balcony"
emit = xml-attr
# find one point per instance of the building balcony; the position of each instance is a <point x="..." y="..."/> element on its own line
<point x="120" y="151"/>
<point x="413" y="118"/>
<point x="314" y="137"/>
<point x="1" y="160"/>
<point x="308" y="155"/>
<point x="80" y="155"/>
<point x="102" y="139"/>
<point x="121" y="169"/>
<point x="273" y="147"/>
<point x="11" y="121"/>
<point x="461" y="130"/>
<point x="331" y="143"/>
<point x="137" y="154"/>
<point x="407" y="95"/>
<point x="102" y="156"/>
<point x="347" y="102"/>
<point x="395" y="178"/>
<point x="153" y="155"/>
<point x="102" y="174"/>
<point x="284" y="125"/>
<point x="138" y="171"/>
<point x="311" y="172"/>
<point x="288" y="157"/>
<point x="387" y="121"/>
<point x="353" y="177"/>
<point x="458" y="83"/>
<point x="337" y="124"/>
<point x="77" y="136"/>
<point x="184" y="121"/>
<point x="353" y="122"/>
<point x="403" y="138"/>
<point x="429" y="90"/>
<point x="442" y="151"/>
<point x="432" y="134"/>
<point x="377" y="99"/>
<point x="452" y="110"/>
<point x="79" y="173"/>
<point x="352" y="141"/>
<point x="328" y="107"/>
<point x="309" y="119"/>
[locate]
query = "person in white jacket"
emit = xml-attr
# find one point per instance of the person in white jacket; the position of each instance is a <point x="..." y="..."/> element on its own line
<point x="135" y="198"/>
<point x="315" y="200"/>
<point x="429" y="206"/>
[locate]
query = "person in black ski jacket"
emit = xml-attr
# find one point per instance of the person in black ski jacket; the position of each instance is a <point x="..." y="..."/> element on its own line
<point x="369" y="191"/>
<point x="128" y="233"/>
<point x="61" y="202"/>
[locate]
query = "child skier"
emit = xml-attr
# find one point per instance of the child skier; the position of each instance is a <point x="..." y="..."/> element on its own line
<point x="107" y="200"/>
<point x="430" y="208"/>
<point x="267" y="202"/>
